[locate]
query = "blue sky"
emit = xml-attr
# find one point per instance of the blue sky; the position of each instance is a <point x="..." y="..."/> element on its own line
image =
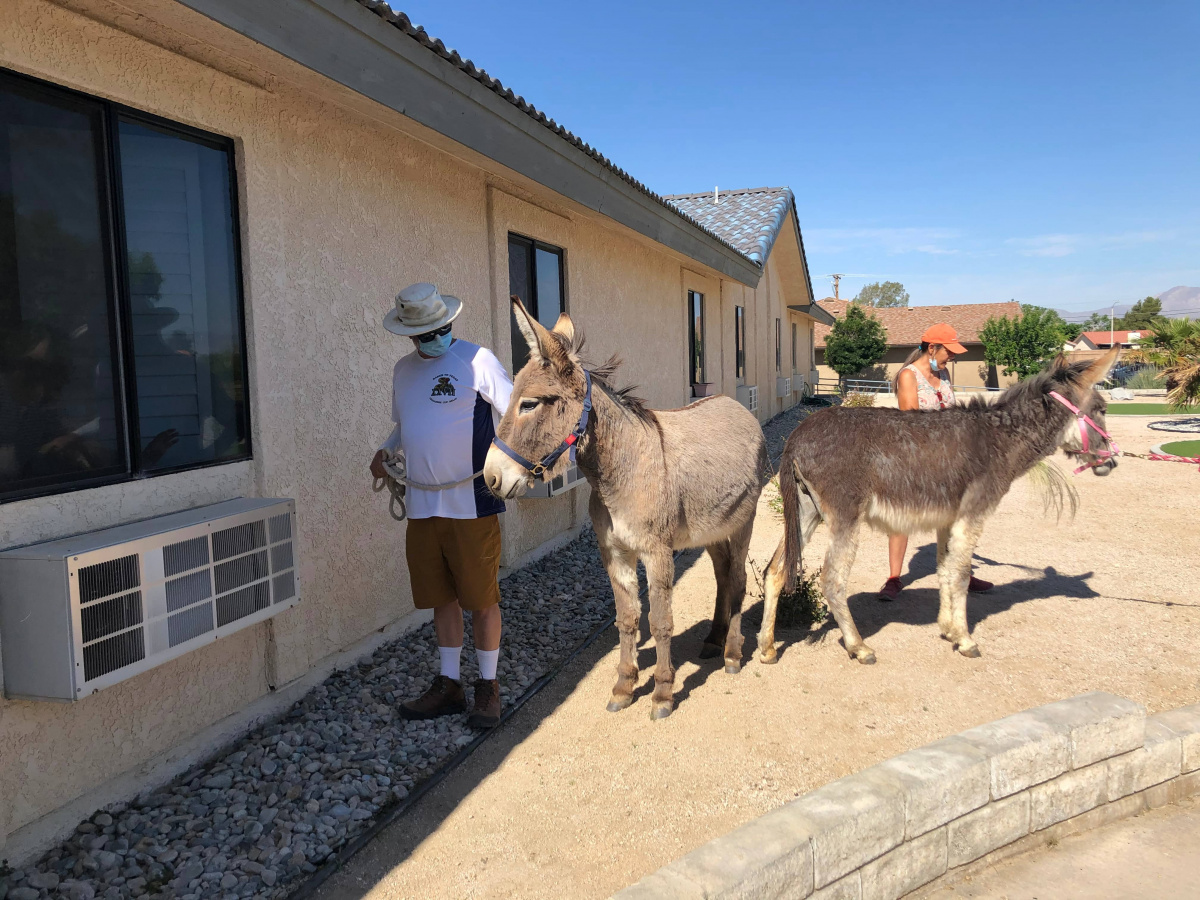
<point x="1043" y="152"/>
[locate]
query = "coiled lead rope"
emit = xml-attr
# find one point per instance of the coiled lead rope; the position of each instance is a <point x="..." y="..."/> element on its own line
<point x="396" y="480"/>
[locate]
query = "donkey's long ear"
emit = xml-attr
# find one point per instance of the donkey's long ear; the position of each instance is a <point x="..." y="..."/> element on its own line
<point x="1099" y="370"/>
<point x="565" y="327"/>
<point x="533" y="331"/>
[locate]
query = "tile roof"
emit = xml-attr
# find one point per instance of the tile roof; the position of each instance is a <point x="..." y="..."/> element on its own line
<point x="906" y="324"/>
<point x="747" y="219"/>
<point x="1103" y="338"/>
<point x="417" y="33"/>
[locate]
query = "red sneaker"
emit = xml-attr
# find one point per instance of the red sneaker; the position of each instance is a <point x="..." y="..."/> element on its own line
<point x="979" y="586"/>
<point x="891" y="590"/>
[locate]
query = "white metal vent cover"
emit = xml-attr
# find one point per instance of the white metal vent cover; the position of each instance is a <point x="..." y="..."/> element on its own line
<point x="783" y="387"/>
<point x="82" y="613"/>
<point x="571" y="478"/>
<point x="747" y="395"/>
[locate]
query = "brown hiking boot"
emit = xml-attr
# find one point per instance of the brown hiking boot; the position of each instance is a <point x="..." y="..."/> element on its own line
<point x="444" y="697"/>
<point x="891" y="590"/>
<point x="486" y="713"/>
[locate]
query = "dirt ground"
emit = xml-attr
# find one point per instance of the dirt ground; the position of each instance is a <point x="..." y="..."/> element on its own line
<point x="572" y="801"/>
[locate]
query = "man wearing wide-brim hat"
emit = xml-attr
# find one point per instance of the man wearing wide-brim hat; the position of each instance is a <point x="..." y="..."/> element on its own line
<point x="447" y="399"/>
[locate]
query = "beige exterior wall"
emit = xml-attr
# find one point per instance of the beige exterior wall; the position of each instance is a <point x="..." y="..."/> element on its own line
<point x="969" y="370"/>
<point x="397" y="205"/>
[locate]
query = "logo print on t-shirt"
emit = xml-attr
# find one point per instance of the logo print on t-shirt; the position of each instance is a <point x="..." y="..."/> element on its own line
<point x="443" y="390"/>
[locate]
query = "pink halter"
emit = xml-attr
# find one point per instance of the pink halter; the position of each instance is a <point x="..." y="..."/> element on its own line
<point x="1102" y="456"/>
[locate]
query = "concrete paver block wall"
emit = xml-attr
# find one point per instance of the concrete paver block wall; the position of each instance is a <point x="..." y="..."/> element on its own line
<point x="932" y="813"/>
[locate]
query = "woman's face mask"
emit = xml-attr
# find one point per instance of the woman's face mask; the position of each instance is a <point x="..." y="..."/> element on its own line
<point x="435" y="343"/>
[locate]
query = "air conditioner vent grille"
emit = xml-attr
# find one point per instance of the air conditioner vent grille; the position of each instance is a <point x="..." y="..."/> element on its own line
<point x="189" y="624"/>
<point x="188" y="590"/>
<point x="241" y="571"/>
<point x="113" y="653"/>
<point x="185" y="555"/>
<point x="285" y="586"/>
<point x="242" y="603"/>
<point x="107" y="578"/>
<point x="238" y="540"/>
<point x="102" y="619"/>
<point x="281" y="557"/>
<point x="281" y="528"/>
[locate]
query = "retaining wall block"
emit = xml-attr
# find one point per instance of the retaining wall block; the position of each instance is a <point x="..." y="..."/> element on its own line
<point x="1023" y="749"/>
<point x="979" y="833"/>
<point x="848" y="888"/>
<point x="1185" y="722"/>
<point x="941" y="782"/>
<point x="1101" y="725"/>
<point x="1159" y="758"/>
<point x="1068" y="796"/>
<point x="906" y="868"/>
<point x="852" y="821"/>
<point x="770" y="857"/>
<point x="662" y="885"/>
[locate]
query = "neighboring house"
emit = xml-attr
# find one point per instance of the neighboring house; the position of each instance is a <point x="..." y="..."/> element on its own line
<point x="1104" y="340"/>
<point x="206" y="207"/>
<point x="906" y="324"/>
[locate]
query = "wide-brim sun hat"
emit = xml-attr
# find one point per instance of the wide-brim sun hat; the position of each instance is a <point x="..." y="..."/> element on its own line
<point x="943" y="334"/>
<point x="420" y="308"/>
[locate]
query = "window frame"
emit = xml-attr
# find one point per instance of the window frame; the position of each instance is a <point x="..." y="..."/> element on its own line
<point x="739" y="342"/>
<point x="116" y="253"/>
<point x="694" y="298"/>
<point x="533" y="245"/>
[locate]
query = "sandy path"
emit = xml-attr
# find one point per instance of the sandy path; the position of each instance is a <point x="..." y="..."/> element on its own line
<point x="572" y="801"/>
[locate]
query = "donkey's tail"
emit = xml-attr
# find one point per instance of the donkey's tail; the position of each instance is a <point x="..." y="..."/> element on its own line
<point x="791" y="485"/>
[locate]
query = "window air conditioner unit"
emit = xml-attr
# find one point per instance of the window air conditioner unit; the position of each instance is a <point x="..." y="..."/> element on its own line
<point x="747" y="395"/>
<point x="82" y="613"/>
<point x="543" y="490"/>
<point x="783" y="387"/>
<point x="797" y="383"/>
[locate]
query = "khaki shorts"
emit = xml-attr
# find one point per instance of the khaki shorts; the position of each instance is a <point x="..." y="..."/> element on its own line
<point x="454" y="559"/>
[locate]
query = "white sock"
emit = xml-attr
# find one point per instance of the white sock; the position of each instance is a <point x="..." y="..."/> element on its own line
<point x="487" y="663"/>
<point x="450" y="657"/>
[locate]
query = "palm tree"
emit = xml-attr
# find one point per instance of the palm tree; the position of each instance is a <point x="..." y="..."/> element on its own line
<point x="1174" y="345"/>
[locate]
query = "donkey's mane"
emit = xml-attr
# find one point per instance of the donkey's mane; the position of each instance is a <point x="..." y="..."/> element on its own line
<point x="1034" y="388"/>
<point x="602" y="375"/>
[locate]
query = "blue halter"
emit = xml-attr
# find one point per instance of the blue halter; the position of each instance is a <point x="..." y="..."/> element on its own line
<point x="538" y="470"/>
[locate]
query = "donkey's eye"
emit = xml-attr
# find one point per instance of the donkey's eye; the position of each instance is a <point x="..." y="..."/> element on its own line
<point x="529" y="405"/>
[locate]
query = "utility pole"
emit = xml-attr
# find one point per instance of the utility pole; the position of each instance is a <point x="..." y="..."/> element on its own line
<point x="836" y="279"/>
<point x="1112" y="325"/>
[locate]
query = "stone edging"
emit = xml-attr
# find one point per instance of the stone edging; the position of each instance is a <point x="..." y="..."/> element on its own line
<point x="943" y="810"/>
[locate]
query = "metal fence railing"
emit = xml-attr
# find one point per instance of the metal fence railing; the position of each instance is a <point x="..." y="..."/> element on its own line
<point x="870" y="386"/>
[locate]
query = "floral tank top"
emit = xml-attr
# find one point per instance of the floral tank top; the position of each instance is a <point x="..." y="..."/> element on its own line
<point x="929" y="397"/>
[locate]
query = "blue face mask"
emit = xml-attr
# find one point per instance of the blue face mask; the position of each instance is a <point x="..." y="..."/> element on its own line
<point x="933" y="364"/>
<point x="436" y="347"/>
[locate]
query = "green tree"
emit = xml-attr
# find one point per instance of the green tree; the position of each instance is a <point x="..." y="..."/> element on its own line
<point x="856" y="341"/>
<point x="1097" y="321"/>
<point x="1174" y="345"/>
<point x="1142" y="316"/>
<point x="887" y="293"/>
<point x="1024" y="344"/>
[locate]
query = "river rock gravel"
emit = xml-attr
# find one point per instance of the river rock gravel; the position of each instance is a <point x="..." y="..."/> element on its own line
<point x="263" y="818"/>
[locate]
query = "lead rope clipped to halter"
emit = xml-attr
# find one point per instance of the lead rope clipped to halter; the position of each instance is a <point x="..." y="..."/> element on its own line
<point x="1104" y="456"/>
<point x="397" y="479"/>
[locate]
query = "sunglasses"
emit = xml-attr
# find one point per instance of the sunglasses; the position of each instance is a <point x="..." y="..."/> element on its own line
<point x="433" y="335"/>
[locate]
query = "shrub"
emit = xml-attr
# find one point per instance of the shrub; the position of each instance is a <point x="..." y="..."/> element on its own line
<point x="1145" y="380"/>
<point x="803" y="607"/>
<point x="858" y="399"/>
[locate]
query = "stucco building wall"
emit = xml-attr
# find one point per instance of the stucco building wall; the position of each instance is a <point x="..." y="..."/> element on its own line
<point x="342" y="204"/>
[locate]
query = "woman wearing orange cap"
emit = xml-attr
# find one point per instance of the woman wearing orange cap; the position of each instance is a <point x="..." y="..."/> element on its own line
<point x="924" y="383"/>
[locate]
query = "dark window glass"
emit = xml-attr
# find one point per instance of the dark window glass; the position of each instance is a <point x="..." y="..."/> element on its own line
<point x="793" y="346"/>
<point x="106" y="374"/>
<point x="535" y="275"/>
<point x="59" y="407"/>
<point x="183" y="297"/>
<point x="696" y="336"/>
<point x="778" y="346"/>
<point x="739" y="340"/>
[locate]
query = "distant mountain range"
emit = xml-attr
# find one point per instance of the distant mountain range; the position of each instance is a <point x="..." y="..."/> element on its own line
<point x="1176" y="303"/>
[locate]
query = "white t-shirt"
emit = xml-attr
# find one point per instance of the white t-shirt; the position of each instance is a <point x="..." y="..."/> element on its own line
<point x="446" y="410"/>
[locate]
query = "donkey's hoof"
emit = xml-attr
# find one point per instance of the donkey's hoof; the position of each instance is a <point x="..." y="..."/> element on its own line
<point x="708" y="651"/>
<point x="865" y="657"/>
<point x="971" y="652"/>
<point x="616" y="704"/>
<point x="768" y="657"/>
<point x="732" y="668"/>
<point x="662" y="710"/>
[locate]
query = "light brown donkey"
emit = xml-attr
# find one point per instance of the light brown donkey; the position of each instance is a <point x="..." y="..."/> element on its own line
<point x="913" y="471"/>
<point x="662" y="480"/>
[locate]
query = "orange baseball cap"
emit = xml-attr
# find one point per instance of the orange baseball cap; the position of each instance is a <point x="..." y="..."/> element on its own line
<point x="943" y="334"/>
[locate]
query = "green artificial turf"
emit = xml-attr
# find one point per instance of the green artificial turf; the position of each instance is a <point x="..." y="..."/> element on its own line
<point x="1142" y="409"/>
<point x="1182" y="448"/>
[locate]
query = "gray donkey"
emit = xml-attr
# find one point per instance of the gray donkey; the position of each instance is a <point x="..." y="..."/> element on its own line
<point x="662" y="480"/>
<point x="914" y="471"/>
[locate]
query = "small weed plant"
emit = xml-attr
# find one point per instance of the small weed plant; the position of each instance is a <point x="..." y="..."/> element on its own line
<point x="805" y="606"/>
<point x="858" y="399"/>
<point x="775" y="500"/>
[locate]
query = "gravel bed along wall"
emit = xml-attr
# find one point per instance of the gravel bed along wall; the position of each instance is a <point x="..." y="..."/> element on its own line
<point x="264" y="817"/>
